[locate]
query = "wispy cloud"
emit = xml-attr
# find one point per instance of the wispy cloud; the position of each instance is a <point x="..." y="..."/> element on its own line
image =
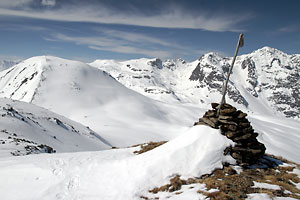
<point x="48" y="2"/>
<point x="289" y="29"/>
<point x="21" y="27"/>
<point x="142" y="45"/>
<point x="129" y="43"/>
<point x="134" y="50"/>
<point x="170" y="17"/>
<point x="14" y="3"/>
<point x="134" y="37"/>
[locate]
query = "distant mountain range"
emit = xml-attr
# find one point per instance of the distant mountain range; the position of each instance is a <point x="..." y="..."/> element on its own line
<point x="159" y="95"/>
<point x="92" y="97"/>
<point x="264" y="81"/>
<point x="5" y="64"/>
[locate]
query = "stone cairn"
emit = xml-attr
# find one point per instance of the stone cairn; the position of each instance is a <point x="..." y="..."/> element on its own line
<point x="236" y="127"/>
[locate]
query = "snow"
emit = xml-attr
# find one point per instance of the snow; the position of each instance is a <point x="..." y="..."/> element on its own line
<point x="24" y="125"/>
<point x="258" y="196"/>
<point x="123" y="116"/>
<point x="280" y="135"/>
<point x="297" y="172"/>
<point x="186" y="192"/>
<point x="265" y="186"/>
<point x="92" y="97"/>
<point x="269" y="72"/>
<point x="112" y="174"/>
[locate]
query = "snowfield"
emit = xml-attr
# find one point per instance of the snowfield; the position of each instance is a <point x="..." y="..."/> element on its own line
<point x="112" y="174"/>
<point x="25" y="128"/>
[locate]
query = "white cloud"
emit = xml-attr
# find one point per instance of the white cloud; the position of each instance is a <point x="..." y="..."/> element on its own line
<point x="19" y="28"/>
<point x="13" y="3"/>
<point x="134" y="50"/>
<point x="170" y="18"/>
<point x="48" y="2"/>
<point x="130" y="43"/>
<point x="117" y="45"/>
<point x="289" y="29"/>
<point x="134" y="37"/>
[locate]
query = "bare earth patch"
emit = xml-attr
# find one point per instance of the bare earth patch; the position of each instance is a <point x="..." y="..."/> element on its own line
<point x="231" y="184"/>
<point x="148" y="146"/>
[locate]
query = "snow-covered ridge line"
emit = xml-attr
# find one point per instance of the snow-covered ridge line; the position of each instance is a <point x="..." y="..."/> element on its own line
<point x="265" y="77"/>
<point x="92" y="97"/>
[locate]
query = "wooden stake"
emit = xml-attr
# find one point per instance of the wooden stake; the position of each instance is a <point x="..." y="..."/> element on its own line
<point x="224" y="89"/>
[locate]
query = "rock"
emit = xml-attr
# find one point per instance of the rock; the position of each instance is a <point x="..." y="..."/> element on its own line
<point x="228" y="111"/>
<point x="199" y="123"/>
<point x="225" y="117"/>
<point x="248" y="130"/>
<point x="235" y="126"/>
<point x="230" y="134"/>
<point x="225" y="106"/>
<point x="244" y="124"/>
<point x="243" y="137"/>
<point x="256" y="151"/>
<point x="236" y="155"/>
<point x="209" y="122"/>
<point x="214" y="120"/>
<point x="228" y="127"/>
<point x="241" y="115"/>
<point x="223" y="121"/>
<point x="214" y="105"/>
<point x="210" y="113"/>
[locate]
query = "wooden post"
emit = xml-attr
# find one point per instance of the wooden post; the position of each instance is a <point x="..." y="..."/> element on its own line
<point x="224" y="89"/>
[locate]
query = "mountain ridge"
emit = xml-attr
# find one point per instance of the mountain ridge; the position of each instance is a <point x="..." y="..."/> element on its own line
<point x="92" y="97"/>
<point x="266" y="76"/>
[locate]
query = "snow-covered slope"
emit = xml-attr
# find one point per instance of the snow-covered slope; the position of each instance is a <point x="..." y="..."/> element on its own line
<point x="118" y="173"/>
<point x="28" y="129"/>
<point x="114" y="174"/>
<point x="124" y="117"/>
<point x="92" y="97"/>
<point x="264" y="81"/>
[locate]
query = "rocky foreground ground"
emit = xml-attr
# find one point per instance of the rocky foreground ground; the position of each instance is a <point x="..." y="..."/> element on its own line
<point x="233" y="182"/>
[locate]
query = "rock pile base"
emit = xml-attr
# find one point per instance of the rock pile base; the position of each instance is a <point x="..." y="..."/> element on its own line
<point x="235" y="126"/>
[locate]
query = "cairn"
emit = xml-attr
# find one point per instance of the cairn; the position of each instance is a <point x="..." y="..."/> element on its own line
<point x="235" y="126"/>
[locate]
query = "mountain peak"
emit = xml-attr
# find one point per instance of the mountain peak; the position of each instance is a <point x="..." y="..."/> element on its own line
<point x="269" y="50"/>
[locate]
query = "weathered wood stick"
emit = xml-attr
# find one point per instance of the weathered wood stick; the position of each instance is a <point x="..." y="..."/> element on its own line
<point x="224" y="90"/>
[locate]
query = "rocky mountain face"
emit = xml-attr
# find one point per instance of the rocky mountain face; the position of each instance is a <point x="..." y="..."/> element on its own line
<point x="264" y="81"/>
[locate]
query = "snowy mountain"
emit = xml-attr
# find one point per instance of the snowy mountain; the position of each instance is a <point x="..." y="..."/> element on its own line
<point x="266" y="77"/>
<point x="5" y="64"/>
<point x="92" y="97"/>
<point x="29" y="129"/>
<point x="124" y="117"/>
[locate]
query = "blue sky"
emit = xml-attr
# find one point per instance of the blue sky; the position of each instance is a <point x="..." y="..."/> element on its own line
<point x="118" y="29"/>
